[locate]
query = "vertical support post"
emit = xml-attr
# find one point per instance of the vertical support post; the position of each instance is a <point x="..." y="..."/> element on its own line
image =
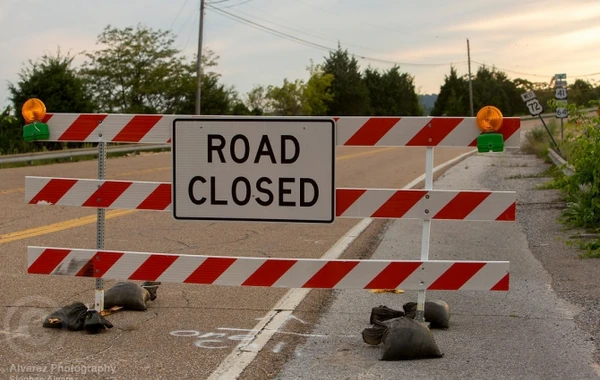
<point x="470" y="82"/>
<point x="562" y="130"/>
<point x="426" y="231"/>
<point x="99" y="294"/>
<point x="199" y="60"/>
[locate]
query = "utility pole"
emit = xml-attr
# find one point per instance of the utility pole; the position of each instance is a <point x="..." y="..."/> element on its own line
<point x="470" y="83"/>
<point x="199" y="63"/>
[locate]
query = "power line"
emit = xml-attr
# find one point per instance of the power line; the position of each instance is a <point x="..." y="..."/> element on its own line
<point x="533" y="75"/>
<point x="234" y="5"/>
<point x="319" y="36"/>
<point x="310" y="43"/>
<point x="178" y="13"/>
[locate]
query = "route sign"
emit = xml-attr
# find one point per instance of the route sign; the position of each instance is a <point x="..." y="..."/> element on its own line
<point x="533" y="105"/>
<point x="560" y="93"/>
<point x="560" y="88"/>
<point x="254" y="169"/>
<point x="528" y="96"/>
<point x="561" y="111"/>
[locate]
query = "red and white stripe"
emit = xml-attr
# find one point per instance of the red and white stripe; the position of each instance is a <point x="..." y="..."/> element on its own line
<point x="350" y="203"/>
<point x="351" y="130"/>
<point x="267" y="272"/>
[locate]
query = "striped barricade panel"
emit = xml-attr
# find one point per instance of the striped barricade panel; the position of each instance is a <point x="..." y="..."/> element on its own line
<point x="350" y="130"/>
<point x="268" y="272"/>
<point x="350" y="203"/>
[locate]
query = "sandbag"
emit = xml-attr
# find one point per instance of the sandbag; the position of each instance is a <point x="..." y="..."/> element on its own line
<point x="70" y="317"/>
<point x="373" y="335"/>
<point x="130" y="296"/>
<point x="95" y="323"/>
<point x="383" y="313"/>
<point x="406" y="339"/>
<point x="436" y="312"/>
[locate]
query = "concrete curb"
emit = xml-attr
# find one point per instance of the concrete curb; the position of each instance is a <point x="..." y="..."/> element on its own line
<point x="560" y="162"/>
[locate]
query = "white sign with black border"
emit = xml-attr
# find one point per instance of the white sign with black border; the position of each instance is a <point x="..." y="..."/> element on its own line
<point x="534" y="107"/>
<point x="254" y="169"/>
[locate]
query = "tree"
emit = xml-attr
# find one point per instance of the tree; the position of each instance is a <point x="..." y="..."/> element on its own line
<point x="391" y="93"/>
<point x="493" y="88"/>
<point x="581" y="92"/>
<point x="11" y="135"/>
<point x="350" y="94"/>
<point x="215" y="97"/>
<point x="137" y="71"/>
<point x="451" y="100"/>
<point x="287" y="100"/>
<point x="52" y="79"/>
<point x="317" y="92"/>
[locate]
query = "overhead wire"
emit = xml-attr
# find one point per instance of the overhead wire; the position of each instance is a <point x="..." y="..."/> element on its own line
<point x="530" y="74"/>
<point x="316" y="35"/>
<point x="305" y="42"/>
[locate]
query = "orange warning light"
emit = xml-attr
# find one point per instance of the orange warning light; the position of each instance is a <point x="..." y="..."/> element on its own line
<point x="489" y="119"/>
<point x="33" y="110"/>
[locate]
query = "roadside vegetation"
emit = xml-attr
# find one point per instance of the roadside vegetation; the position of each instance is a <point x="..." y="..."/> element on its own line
<point x="581" y="189"/>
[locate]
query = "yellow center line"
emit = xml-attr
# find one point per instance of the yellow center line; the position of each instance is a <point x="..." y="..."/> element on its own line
<point x="367" y="153"/>
<point x="61" y="226"/>
<point x="50" y="228"/>
<point x="9" y="191"/>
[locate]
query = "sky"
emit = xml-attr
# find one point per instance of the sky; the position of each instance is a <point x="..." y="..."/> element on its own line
<point x="529" y="39"/>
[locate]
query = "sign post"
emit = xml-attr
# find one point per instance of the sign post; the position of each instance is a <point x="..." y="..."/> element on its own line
<point x="536" y="109"/>
<point x="269" y="170"/>
<point x="560" y="94"/>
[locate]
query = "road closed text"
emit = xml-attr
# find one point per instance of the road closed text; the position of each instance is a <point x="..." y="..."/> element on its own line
<point x="265" y="191"/>
<point x="260" y="171"/>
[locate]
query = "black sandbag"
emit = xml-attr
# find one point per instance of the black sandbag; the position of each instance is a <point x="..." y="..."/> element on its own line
<point x="383" y="313"/>
<point x="152" y="288"/>
<point x="373" y="335"/>
<point x="95" y="323"/>
<point x="437" y="313"/>
<point x="71" y="317"/>
<point x="127" y="295"/>
<point x="407" y="339"/>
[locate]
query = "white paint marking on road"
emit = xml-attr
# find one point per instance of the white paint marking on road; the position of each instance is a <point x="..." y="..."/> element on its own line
<point x="278" y="347"/>
<point x="241" y="357"/>
<point x="296" y="318"/>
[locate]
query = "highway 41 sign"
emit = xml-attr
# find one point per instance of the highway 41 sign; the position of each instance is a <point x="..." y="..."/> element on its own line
<point x="254" y="169"/>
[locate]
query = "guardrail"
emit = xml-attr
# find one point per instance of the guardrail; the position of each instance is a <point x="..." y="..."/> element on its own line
<point x="70" y="153"/>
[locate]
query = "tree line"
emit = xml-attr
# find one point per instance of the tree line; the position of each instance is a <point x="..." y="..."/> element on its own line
<point x="138" y="70"/>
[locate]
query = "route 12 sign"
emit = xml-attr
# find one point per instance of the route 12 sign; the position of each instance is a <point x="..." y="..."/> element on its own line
<point x="254" y="169"/>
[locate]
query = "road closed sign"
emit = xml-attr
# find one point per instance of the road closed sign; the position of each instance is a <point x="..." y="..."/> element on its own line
<point x="254" y="169"/>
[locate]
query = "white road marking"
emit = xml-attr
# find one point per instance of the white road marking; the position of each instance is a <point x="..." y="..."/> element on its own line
<point x="241" y="357"/>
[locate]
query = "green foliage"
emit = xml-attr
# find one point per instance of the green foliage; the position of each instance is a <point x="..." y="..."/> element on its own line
<point x="582" y="189"/>
<point x="137" y="70"/>
<point x="52" y="79"/>
<point x="453" y="99"/>
<point x="537" y="141"/>
<point x="582" y="92"/>
<point x="317" y="92"/>
<point x="391" y="93"/>
<point x="11" y="134"/>
<point x="350" y="94"/>
<point x="287" y="100"/>
<point x="493" y="88"/>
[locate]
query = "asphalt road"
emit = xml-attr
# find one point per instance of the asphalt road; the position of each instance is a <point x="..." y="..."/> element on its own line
<point x="532" y="332"/>
<point x="189" y="330"/>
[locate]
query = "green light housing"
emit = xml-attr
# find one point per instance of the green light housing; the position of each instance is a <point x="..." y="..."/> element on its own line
<point x="36" y="131"/>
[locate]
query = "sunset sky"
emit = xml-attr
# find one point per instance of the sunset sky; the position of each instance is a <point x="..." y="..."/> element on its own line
<point x="530" y="39"/>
